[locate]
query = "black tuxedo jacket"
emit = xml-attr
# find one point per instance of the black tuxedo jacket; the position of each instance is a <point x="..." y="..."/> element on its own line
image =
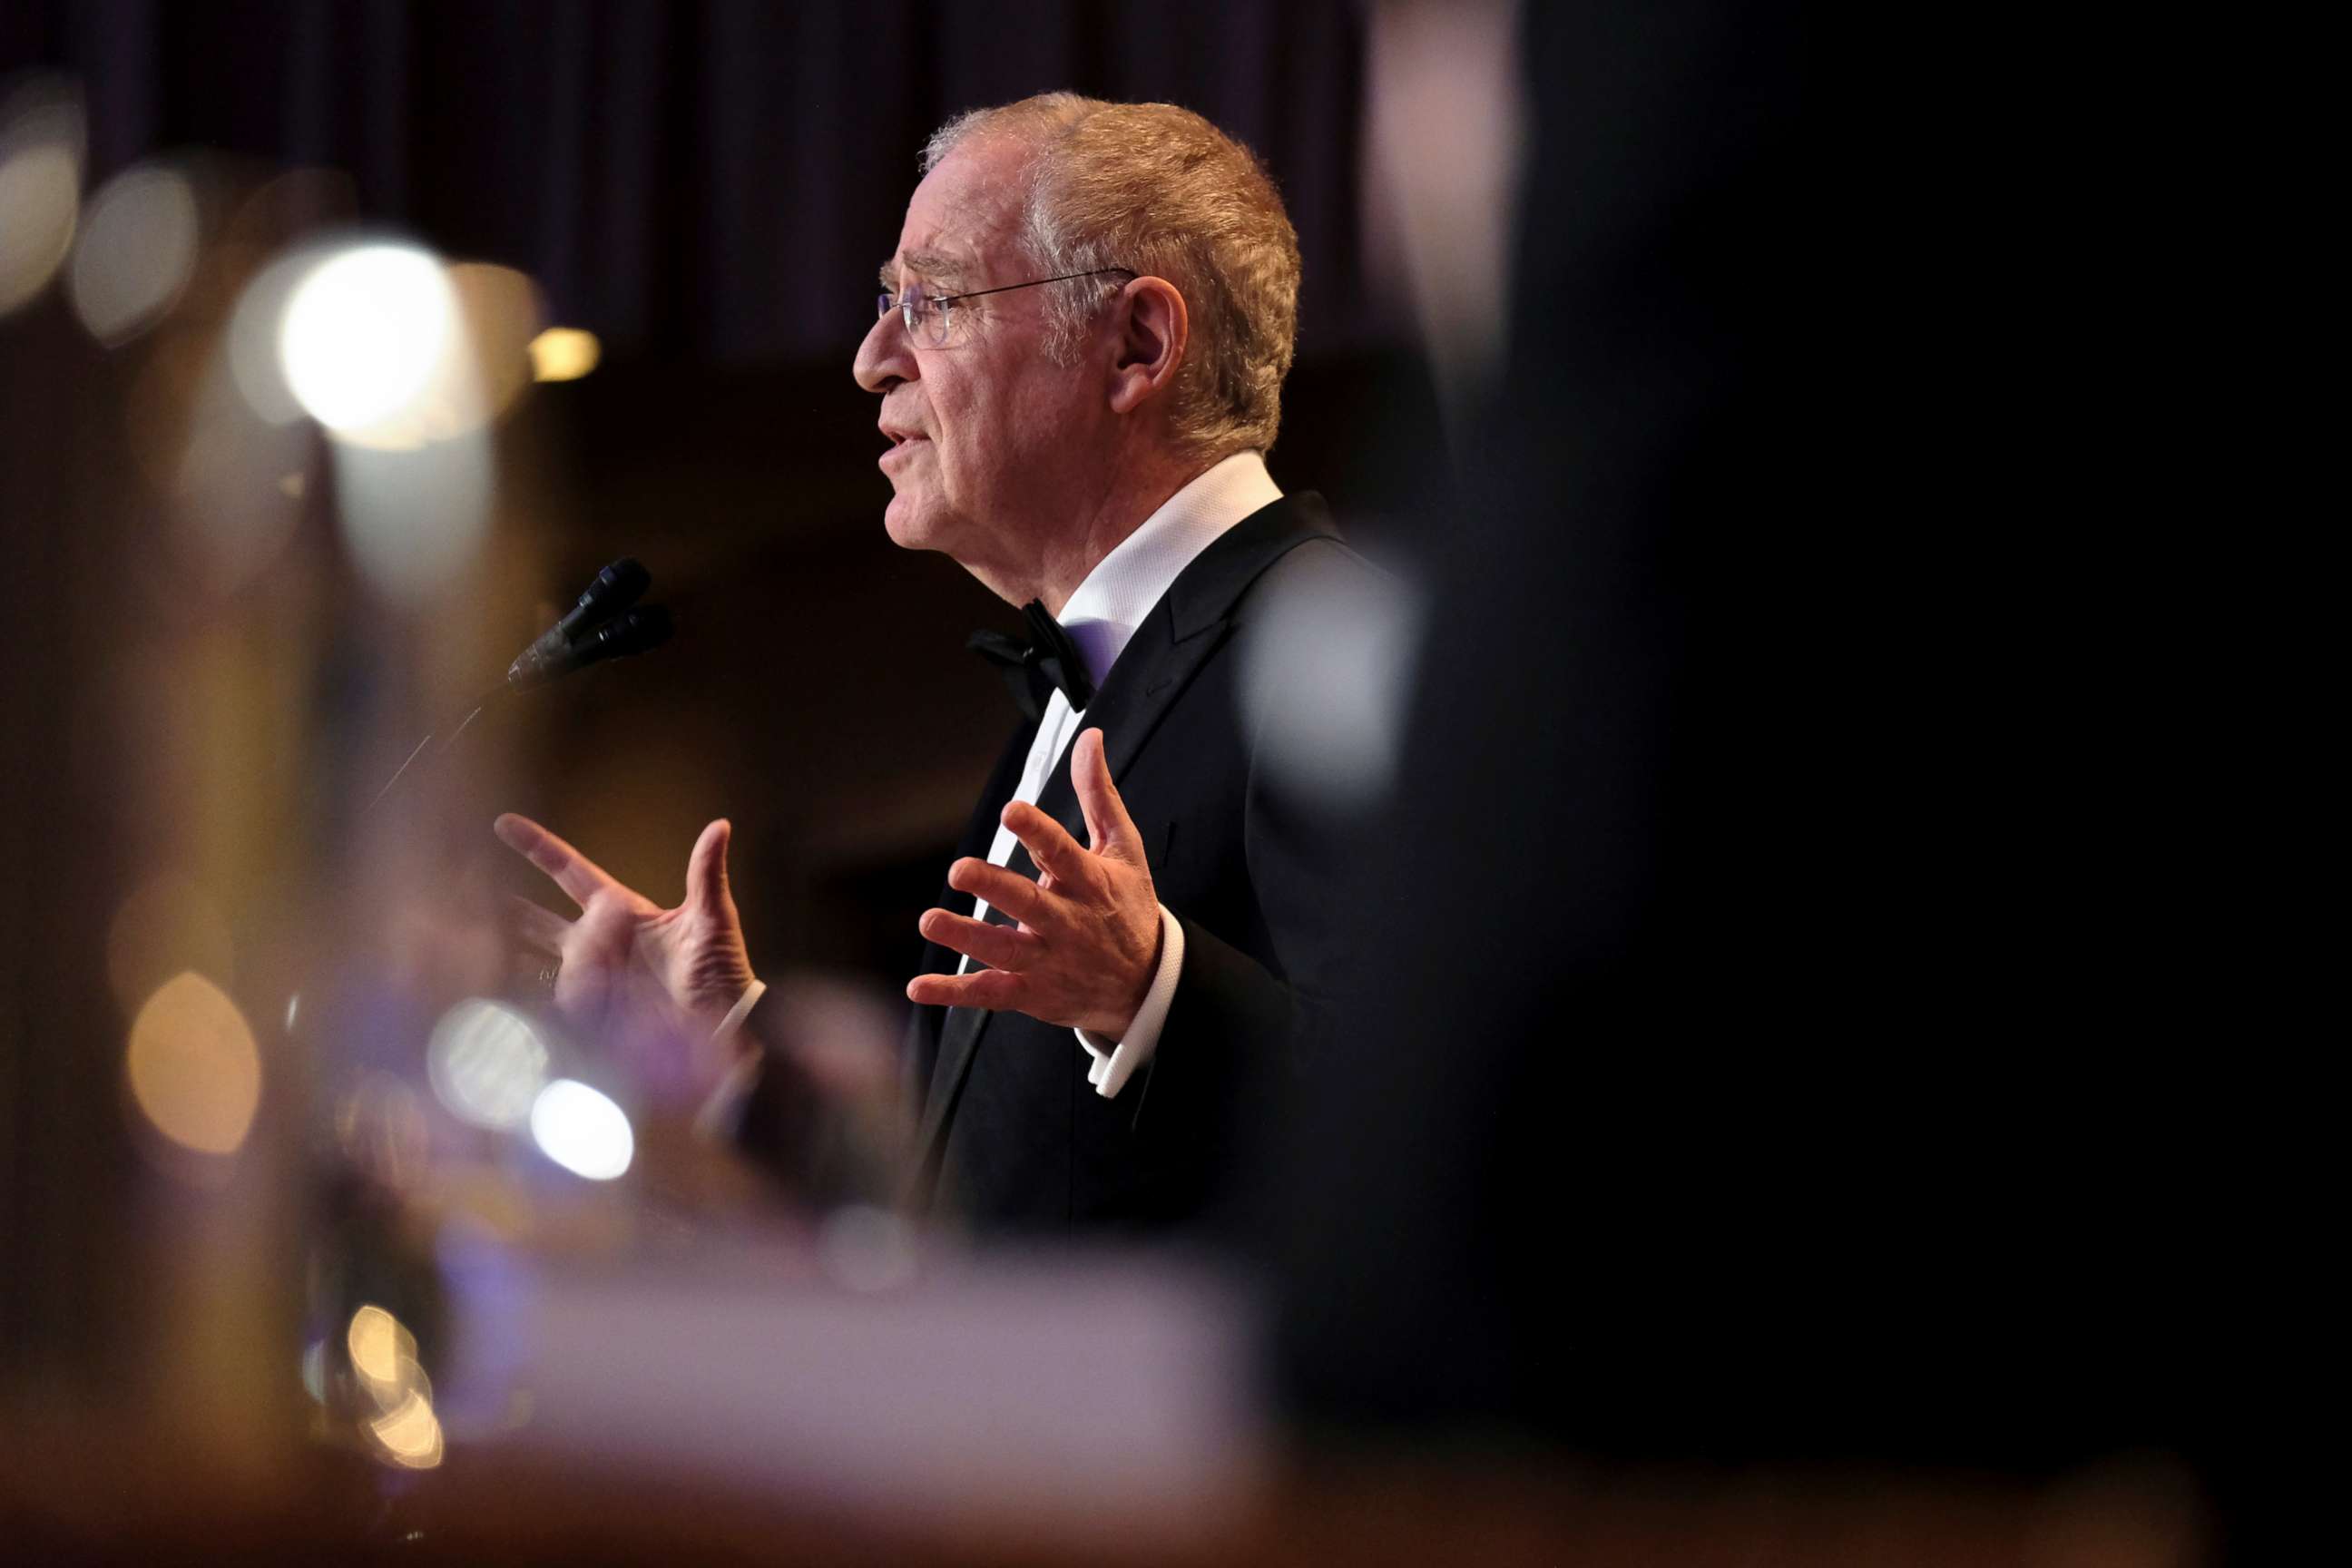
<point x="1010" y="1136"/>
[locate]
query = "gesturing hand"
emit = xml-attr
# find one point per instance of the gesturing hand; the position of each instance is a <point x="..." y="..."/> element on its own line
<point x="626" y="960"/>
<point x="1088" y="941"/>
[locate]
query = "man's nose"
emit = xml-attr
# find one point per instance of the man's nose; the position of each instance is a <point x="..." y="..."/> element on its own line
<point x="883" y="359"/>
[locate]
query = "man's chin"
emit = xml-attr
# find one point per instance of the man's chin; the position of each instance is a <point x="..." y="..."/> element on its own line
<point x="907" y="527"/>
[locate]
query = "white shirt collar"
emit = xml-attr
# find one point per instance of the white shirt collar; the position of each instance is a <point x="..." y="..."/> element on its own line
<point x="1120" y="591"/>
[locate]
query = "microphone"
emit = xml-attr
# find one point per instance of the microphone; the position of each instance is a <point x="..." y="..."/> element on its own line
<point x="616" y="587"/>
<point x="640" y="630"/>
<point x="554" y="656"/>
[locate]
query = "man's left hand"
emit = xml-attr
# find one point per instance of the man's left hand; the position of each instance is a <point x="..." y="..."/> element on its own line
<point x="1088" y="943"/>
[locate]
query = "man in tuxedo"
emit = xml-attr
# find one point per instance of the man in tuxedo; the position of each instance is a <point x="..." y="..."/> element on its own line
<point x="1079" y="353"/>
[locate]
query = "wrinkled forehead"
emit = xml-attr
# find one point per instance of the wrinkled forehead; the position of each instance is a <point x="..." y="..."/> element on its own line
<point x="962" y="220"/>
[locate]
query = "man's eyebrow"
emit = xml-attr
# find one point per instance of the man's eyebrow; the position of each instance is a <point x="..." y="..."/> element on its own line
<point x="933" y="264"/>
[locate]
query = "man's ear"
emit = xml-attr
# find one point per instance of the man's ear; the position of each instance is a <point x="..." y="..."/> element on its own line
<point x="1153" y="329"/>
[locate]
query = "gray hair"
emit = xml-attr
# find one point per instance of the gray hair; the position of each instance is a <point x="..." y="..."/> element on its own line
<point x="1160" y="191"/>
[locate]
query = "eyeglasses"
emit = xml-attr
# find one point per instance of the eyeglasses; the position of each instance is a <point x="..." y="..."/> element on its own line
<point x="929" y="317"/>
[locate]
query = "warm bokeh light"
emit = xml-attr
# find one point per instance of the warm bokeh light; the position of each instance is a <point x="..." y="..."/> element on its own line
<point x="192" y="1066"/>
<point x="384" y="1359"/>
<point x="41" y="142"/>
<point x="379" y="1347"/>
<point x="363" y="333"/>
<point x="502" y="313"/>
<point x="486" y="1064"/>
<point x="581" y="1131"/>
<point x="564" y="353"/>
<point x="137" y="251"/>
<point x="167" y="927"/>
<point x="410" y="1434"/>
<point x="376" y="343"/>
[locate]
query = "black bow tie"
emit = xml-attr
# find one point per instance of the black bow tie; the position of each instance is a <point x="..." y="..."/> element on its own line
<point x="1047" y="660"/>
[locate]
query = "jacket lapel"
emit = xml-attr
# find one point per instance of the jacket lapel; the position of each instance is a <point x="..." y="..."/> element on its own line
<point x="1189" y="624"/>
<point x="924" y="1047"/>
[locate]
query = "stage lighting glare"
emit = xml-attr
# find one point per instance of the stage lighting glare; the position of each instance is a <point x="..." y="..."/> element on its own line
<point x="192" y="1066"/>
<point x="137" y="252"/>
<point x="564" y="353"/>
<point x="414" y="521"/>
<point x="486" y="1064"/>
<point x="581" y="1131"/>
<point x="364" y="333"/>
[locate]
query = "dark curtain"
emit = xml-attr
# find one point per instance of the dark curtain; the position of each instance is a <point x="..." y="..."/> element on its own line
<point x="713" y="180"/>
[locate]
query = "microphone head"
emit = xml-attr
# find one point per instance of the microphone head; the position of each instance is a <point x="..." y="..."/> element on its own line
<point x="616" y="587"/>
<point x="640" y="630"/>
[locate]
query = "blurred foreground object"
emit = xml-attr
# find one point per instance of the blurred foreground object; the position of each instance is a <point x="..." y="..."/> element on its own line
<point x="740" y="1404"/>
<point x="1738" y="1094"/>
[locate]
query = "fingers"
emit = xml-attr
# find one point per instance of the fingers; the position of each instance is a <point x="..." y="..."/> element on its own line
<point x="579" y="878"/>
<point x="706" y="868"/>
<point x="538" y="927"/>
<point x="996" y="990"/>
<point x="1048" y="842"/>
<point x="1109" y="830"/>
<point x="1011" y="891"/>
<point x="1000" y="947"/>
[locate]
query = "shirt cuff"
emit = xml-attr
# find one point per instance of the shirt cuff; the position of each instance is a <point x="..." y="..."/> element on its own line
<point x="1116" y="1061"/>
<point x="722" y="1115"/>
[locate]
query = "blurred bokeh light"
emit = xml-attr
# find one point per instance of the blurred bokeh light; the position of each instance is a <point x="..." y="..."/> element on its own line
<point x="410" y="1433"/>
<point x="363" y="333"/>
<point x="383" y="1360"/>
<point x="192" y="1066"/>
<point x="564" y="353"/>
<point x="41" y="148"/>
<point x="255" y="361"/>
<point x="378" y="1345"/>
<point x="1326" y="684"/>
<point x="486" y="1064"/>
<point x="137" y="252"/>
<point x="501" y="312"/>
<point x="416" y="519"/>
<point x="581" y="1131"/>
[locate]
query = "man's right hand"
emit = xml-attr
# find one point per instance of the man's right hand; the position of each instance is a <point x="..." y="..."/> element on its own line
<point x="626" y="963"/>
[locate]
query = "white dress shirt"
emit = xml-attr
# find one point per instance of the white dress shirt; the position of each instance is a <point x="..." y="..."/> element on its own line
<point x="1101" y="616"/>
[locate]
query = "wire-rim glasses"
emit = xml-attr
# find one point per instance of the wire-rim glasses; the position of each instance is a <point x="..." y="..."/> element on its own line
<point x="929" y="316"/>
